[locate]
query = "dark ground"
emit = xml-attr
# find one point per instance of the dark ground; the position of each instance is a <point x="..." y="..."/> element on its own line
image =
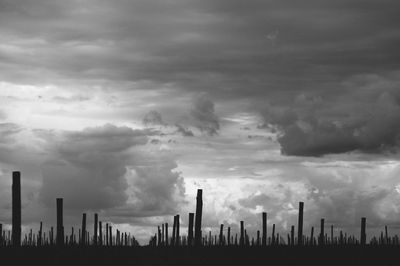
<point x="116" y="256"/>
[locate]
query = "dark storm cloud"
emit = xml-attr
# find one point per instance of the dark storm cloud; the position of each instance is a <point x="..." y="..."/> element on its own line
<point x="186" y="132"/>
<point x="153" y="118"/>
<point x="214" y="46"/>
<point x="250" y="51"/>
<point x="88" y="169"/>
<point x="366" y="118"/>
<point x="203" y="114"/>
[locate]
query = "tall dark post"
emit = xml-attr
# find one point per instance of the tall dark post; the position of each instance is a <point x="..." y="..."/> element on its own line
<point x="16" y="209"/>
<point x="292" y="235"/>
<point x="190" y="229"/>
<point x="107" y="234"/>
<point x="166" y="234"/>
<point x="300" y="224"/>
<point x="60" y="223"/>
<point x="177" y="238"/>
<point x="273" y="234"/>
<point x="241" y="239"/>
<point x="322" y="234"/>
<point x="40" y="234"/>
<point x="83" y="231"/>
<point x="264" y="228"/>
<point x="312" y="236"/>
<point x="173" y="232"/>
<point x="229" y="235"/>
<point x="100" y="234"/>
<point x="96" y="218"/>
<point x="386" y="235"/>
<point x="199" y="210"/>
<point x="363" y="238"/>
<point x="110" y="241"/>
<point x="221" y="235"/>
<point x="1" y="235"/>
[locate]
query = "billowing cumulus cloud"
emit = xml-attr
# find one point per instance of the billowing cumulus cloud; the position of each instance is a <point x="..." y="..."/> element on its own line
<point x="88" y="168"/>
<point x="314" y="127"/>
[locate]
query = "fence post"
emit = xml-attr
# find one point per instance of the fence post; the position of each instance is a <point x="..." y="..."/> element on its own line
<point x="322" y="234"/>
<point x="363" y="237"/>
<point x="16" y="209"/>
<point x="199" y="210"/>
<point x="96" y="218"/>
<point x="60" y="223"/>
<point x="264" y="228"/>
<point x="83" y="231"/>
<point x="190" y="230"/>
<point x="300" y="224"/>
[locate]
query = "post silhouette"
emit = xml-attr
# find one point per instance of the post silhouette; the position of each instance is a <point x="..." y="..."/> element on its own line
<point x="177" y="238"/>
<point x="60" y="223"/>
<point x="322" y="234"/>
<point x="16" y="209"/>
<point x="221" y="234"/>
<point x="229" y="236"/>
<point x="363" y="237"/>
<point x="241" y="239"/>
<point x="83" y="231"/>
<point x="166" y="234"/>
<point x="300" y="225"/>
<point x="190" y="229"/>
<point x="199" y="210"/>
<point x="95" y="229"/>
<point x="100" y="234"/>
<point x="264" y="228"/>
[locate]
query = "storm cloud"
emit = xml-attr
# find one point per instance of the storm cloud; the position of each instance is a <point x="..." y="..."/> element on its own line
<point x="89" y="167"/>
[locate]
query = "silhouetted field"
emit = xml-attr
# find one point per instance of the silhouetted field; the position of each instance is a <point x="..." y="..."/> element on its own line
<point x="283" y="255"/>
<point x="101" y="245"/>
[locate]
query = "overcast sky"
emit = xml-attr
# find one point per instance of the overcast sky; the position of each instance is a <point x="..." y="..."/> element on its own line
<point x="126" y="108"/>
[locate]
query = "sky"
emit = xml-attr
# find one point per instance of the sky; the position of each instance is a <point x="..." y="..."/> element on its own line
<point x="126" y="108"/>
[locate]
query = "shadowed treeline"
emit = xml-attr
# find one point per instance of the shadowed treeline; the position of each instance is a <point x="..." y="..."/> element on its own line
<point x="101" y="245"/>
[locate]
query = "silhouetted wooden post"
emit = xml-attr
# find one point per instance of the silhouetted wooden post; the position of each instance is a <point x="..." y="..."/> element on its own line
<point x="386" y="235"/>
<point x="241" y="239"/>
<point x="110" y="235"/>
<point x="199" y="210"/>
<point x="229" y="235"/>
<point x="190" y="229"/>
<point x="273" y="234"/>
<point x="96" y="218"/>
<point x="166" y="234"/>
<point x="159" y="236"/>
<point x="363" y="237"/>
<point x="1" y="234"/>
<point x="173" y="232"/>
<point x="258" y="242"/>
<point x="163" y="235"/>
<point x="312" y="236"/>
<point x="300" y="224"/>
<point x="16" y="209"/>
<point x="177" y="238"/>
<point x="107" y="234"/>
<point x="100" y="234"/>
<point x="292" y="235"/>
<point x="39" y="236"/>
<point x="60" y="223"/>
<point x="52" y="234"/>
<point x="83" y="231"/>
<point x="221" y="234"/>
<point x="331" y="234"/>
<point x="264" y="228"/>
<point x="322" y="234"/>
